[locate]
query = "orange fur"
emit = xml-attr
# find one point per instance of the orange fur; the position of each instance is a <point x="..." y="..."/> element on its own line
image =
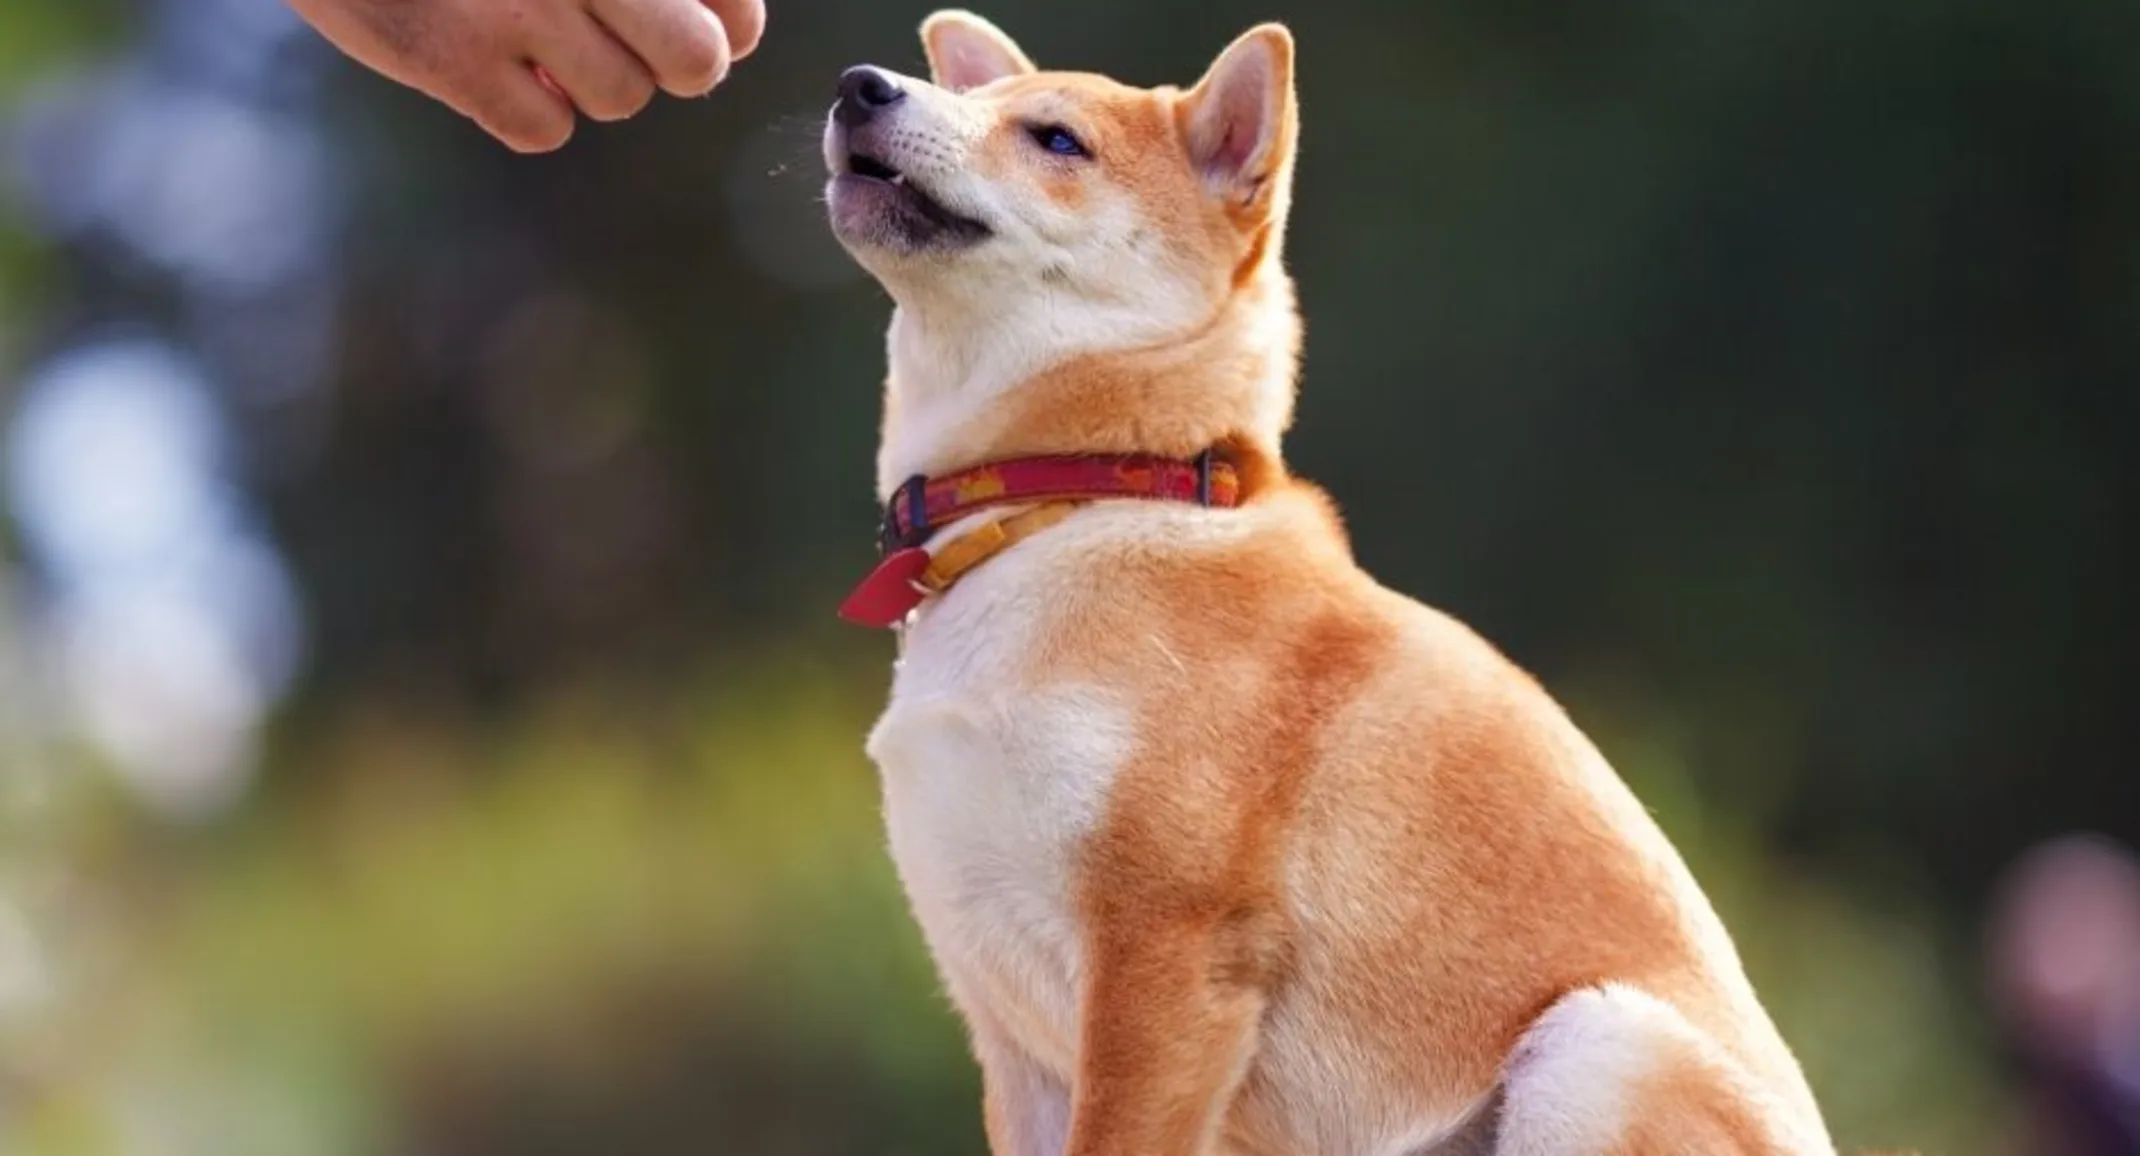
<point x="1353" y="883"/>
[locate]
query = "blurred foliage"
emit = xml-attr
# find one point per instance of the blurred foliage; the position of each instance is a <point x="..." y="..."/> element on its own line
<point x="38" y="39"/>
<point x="607" y="929"/>
<point x="1762" y="375"/>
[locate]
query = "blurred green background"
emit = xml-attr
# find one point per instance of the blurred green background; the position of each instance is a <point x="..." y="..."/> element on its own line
<point x="423" y="729"/>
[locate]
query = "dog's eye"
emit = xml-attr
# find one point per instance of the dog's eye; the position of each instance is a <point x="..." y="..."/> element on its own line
<point x="1058" y="140"/>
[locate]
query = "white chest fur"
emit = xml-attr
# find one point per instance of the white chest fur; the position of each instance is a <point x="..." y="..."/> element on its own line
<point x="991" y="788"/>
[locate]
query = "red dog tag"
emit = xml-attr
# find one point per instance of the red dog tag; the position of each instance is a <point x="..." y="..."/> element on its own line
<point x="885" y="597"/>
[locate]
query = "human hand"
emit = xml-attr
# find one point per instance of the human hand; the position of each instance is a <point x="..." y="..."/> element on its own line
<point x="523" y="69"/>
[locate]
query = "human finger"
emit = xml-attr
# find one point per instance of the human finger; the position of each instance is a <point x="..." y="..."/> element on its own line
<point x="604" y="79"/>
<point x="744" y="21"/>
<point x="510" y="104"/>
<point x="683" y="44"/>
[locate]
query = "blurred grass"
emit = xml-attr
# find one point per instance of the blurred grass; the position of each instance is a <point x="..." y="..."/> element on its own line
<point x="467" y="937"/>
<point x="37" y="40"/>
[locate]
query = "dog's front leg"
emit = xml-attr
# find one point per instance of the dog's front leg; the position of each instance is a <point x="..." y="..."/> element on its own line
<point x="1170" y="1024"/>
<point x="1025" y="1108"/>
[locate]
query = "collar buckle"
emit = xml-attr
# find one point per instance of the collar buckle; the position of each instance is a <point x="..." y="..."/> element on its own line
<point x="891" y="538"/>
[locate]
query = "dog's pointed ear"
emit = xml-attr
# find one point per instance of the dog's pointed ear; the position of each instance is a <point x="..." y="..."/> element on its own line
<point x="966" y="51"/>
<point x="1240" y="120"/>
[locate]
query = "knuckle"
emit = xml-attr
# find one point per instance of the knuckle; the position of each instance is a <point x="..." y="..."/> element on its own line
<point x="536" y="134"/>
<point x="696" y="64"/>
<point x="622" y="99"/>
<point x="553" y="136"/>
<point x="745" y="22"/>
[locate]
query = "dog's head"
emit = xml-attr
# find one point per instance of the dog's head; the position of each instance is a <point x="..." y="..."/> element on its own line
<point x="1079" y="265"/>
<point x="994" y="177"/>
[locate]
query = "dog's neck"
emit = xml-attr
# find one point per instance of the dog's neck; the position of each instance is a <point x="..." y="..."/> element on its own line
<point x="1029" y="374"/>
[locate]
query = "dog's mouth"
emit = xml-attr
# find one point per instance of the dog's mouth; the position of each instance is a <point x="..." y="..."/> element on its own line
<point x="923" y="217"/>
<point x="874" y="169"/>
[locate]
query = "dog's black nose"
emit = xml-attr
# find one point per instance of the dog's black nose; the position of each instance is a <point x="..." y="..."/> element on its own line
<point x="864" y="92"/>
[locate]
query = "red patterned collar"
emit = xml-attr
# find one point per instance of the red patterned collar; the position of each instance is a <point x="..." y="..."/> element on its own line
<point x="924" y="505"/>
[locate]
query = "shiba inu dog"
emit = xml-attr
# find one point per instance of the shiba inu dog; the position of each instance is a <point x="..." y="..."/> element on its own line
<point x="1221" y="847"/>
